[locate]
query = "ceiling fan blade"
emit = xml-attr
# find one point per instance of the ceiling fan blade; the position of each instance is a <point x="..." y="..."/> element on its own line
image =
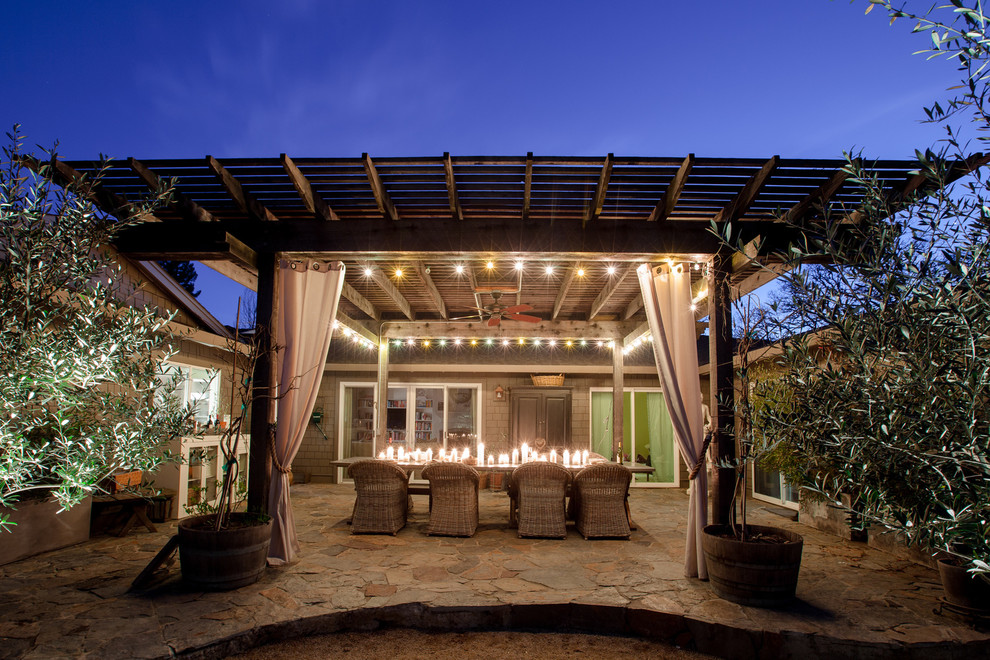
<point x="493" y="321"/>
<point x="515" y="309"/>
<point x="524" y="317"/>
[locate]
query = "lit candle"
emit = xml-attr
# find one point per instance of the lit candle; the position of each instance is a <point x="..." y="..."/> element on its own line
<point x="543" y="458"/>
<point x="515" y="455"/>
<point x="567" y="457"/>
<point x="466" y="455"/>
<point x="491" y="459"/>
<point x="381" y="455"/>
<point x="503" y="459"/>
<point x="416" y="456"/>
<point x="429" y="454"/>
<point x="525" y="452"/>
<point x="402" y="453"/>
<point x="390" y="453"/>
<point x="481" y="451"/>
<point x="584" y="457"/>
<point x="553" y="455"/>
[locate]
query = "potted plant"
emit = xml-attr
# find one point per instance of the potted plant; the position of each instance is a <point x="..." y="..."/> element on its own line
<point x="223" y="548"/>
<point x="750" y="564"/>
<point x="68" y="340"/>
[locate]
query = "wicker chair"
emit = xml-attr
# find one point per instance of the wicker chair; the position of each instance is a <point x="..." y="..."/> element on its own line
<point x="453" y="499"/>
<point x="599" y="501"/>
<point x="539" y="490"/>
<point x="382" y="497"/>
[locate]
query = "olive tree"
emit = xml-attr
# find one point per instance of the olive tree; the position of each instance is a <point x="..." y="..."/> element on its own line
<point x="81" y="366"/>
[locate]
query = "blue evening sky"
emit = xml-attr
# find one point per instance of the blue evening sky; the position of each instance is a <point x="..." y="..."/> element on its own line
<point x="798" y="78"/>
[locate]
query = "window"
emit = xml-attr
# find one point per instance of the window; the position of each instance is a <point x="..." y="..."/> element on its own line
<point x="197" y="387"/>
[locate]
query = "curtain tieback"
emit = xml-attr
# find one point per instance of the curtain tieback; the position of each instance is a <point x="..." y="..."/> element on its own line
<point x="701" y="458"/>
<point x="271" y="450"/>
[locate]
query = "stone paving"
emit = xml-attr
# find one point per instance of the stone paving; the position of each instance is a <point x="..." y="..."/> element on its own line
<point x="853" y="600"/>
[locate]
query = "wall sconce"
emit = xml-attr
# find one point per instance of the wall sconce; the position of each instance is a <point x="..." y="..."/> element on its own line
<point x="499" y="393"/>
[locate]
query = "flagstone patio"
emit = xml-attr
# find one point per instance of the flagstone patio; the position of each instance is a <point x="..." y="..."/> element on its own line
<point x="853" y="600"/>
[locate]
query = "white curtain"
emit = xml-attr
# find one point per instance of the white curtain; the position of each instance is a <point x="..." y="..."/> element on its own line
<point x="667" y="298"/>
<point x="308" y="293"/>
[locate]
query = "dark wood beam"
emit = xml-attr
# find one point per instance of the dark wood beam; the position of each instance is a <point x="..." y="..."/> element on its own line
<point x="565" y="286"/>
<point x="246" y="277"/>
<point x="742" y="201"/>
<point x="480" y="329"/>
<point x="455" y="203"/>
<point x="385" y="284"/>
<point x="473" y="283"/>
<point x="431" y="288"/>
<point x="67" y="177"/>
<point x="357" y="326"/>
<point x="184" y="206"/>
<point x="262" y="390"/>
<point x="819" y="197"/>
<point x="669" y="200"/>
<point x="385" y="206"/>
<point x="722" y="382"/>
<point x="606" y="294"/>
<point x="527" y="185"/>
<point x="311" y="199"/>
<point x="361" y="302"/>
<point x="598" y="199"/>
<point x="241" y="197"/>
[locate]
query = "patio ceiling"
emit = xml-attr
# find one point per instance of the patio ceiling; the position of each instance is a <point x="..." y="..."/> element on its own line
<point x="429" y="215"/>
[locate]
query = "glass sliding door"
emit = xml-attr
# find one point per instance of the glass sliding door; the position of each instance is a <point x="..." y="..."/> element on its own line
<point x="357" y="421"/>
<point x="648" y="436"/>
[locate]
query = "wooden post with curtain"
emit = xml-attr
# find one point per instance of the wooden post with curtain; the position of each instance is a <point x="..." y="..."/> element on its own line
<point x="263" y="399"/>
<point x="618" y="416"/>
<point x="722" y="372"/>
<point x="381" y="409"/>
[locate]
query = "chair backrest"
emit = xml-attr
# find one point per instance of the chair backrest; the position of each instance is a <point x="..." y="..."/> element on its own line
<point x="605" y="474"/>
<point x="530" y="473"/>
<point x="438" y="471"/>
<point x="373" y="469"/>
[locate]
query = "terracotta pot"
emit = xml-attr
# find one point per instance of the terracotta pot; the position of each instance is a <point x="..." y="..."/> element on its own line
<point x="227" y="559"/>
<point x="758" y="574"/>
<point x="964" y="589"/>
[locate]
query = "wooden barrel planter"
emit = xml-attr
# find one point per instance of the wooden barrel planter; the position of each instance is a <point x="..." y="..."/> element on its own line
<point x="228" y="559"/>
<point x="965" y="591"/>
<point x="752" y="573"/>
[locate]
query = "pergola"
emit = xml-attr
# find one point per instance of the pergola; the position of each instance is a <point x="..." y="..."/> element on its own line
<point x="429" y="214"/>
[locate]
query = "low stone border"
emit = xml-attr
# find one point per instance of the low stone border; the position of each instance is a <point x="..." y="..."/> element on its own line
<point x="676" y="629"/>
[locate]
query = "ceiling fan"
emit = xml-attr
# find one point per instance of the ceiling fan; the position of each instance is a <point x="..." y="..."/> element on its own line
<point x="495" y="312"/>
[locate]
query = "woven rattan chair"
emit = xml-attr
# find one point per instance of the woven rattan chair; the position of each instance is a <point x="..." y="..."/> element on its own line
<point x="598" y="501"/>
<point x="539" y="490"/>
<point x="453" y="499"/>
<point x="382" y="497"/>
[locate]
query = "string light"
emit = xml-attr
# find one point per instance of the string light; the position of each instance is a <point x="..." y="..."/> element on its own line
<point x="426" y="343"/>
<point x="411" y="342"/>
<point x="457" y="341"/>
<point x="398" y="272"/>
<point x="490" y="265"/>
<point x="505" y="342"/>
<point x="474" y="342"/>
<point x="459" y="269"/>
<point x="580" y="272"/>
<point x="549" y="270"/>
<point x="367" y="272"/>
<point x="552" y="342"/>
<point x="610" y="270"/>
<point x="489" y="341"/>
<point x="519" y="265"/>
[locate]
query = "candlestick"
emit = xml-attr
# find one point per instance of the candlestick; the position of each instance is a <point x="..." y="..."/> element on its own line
<point x="381" y="455"/>
<point x="429" y="454"/>
<point x="491" y="460"/>
<point x="503" y="459"/>
<point x="481" y="451"/>
<point x="515" y="456"/>
<point x="466" y="455"/>
<point x="525" y="452"/>
<point x="584" y="457"/>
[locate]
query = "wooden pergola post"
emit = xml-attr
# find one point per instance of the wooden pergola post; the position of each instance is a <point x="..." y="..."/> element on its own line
<point x="618" y="414"/>
<point x="722" y="385"/>
<point x="381" y="409"/>
<point x="263" y="399"/>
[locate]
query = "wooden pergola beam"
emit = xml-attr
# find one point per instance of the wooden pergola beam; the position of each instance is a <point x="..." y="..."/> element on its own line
<point x="820" y="196"/>
<point x="187" y="208"/>
<point x="611" y="330"/>
<point x="361" y="302"/>
<point x="385" y="284"/>
<point x="241" y="197"/>
<point x="431" y="288"/>
<point x="527" y="185"/>
<point x="606" y="294"/>
<point x="357" y="326"/>
<point x="667" y="203"/>
<point x="742" y="201"/>
<point x="382" y="199"/>
<point x="314" y="203"/>
<point x="565" y="286"/>
<point x="634" y="306"/>
<point x="473" y="283"/>
<point x="456" y="211"/>
<point x="66" y="176"/>
<point x="635" y="333"/>
<point x="598" y="199"/>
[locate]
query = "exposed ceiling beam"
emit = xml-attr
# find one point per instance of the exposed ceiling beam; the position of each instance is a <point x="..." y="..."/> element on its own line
<point x="455" y="203"/>
<point x="314" y="203"/>
<point x="565" y="286"/>
<point x="614" y="330"/>
<point x="527" y="185"/>
<point x="519" y="287"/>
<point x="635" y="333"/>
<point x="187" y="208"/>
<point x="667" y="203"/>
<point x="241" y="197"/>
<point x="819" y="197"/>
<point x="741" y="202"/>
<point x="381" y="279"/>
<point x="598" y="199"/>
<point x="634" y="306"/>
<point x="606" y="294"/>
<point x="757" y="279"/>
<point x="234" y="271"/>
<point x="473" y="283"/>
<point x="361" y="302"/>
<point x="357" y="326"/>
<point x="431" y="288"/>
<point x="382" y="199"/>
